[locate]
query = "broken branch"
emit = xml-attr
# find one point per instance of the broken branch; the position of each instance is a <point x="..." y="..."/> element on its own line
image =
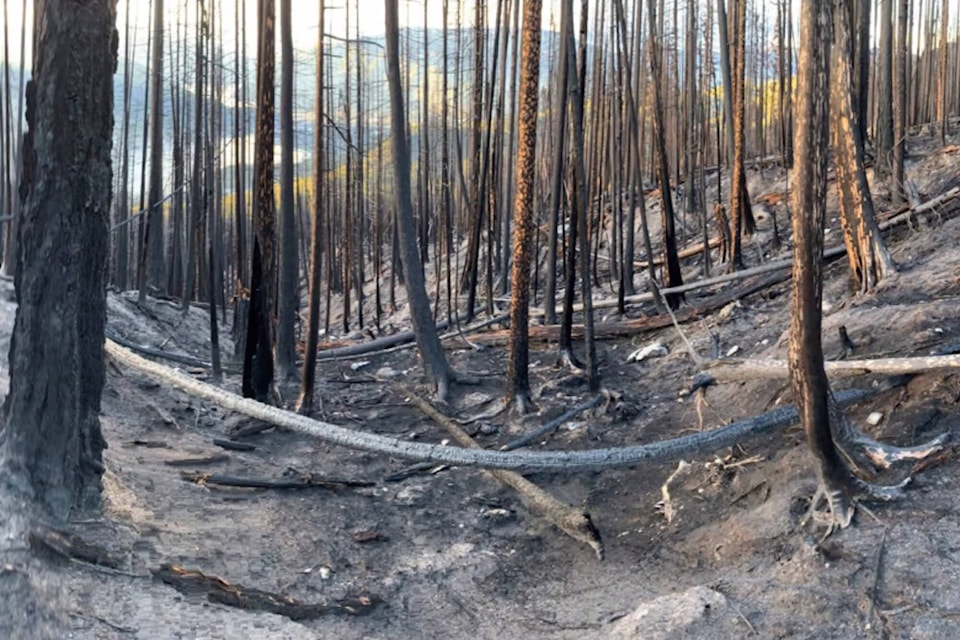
<point x="574" y="523"/>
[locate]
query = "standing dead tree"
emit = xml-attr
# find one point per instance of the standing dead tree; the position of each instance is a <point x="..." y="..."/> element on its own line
<point x="869" y="259"/>
<point x="518" y="380"/>
<point x="831" y="438"/>
<point x="428" y="341"/>
<point x="258" y="354"/>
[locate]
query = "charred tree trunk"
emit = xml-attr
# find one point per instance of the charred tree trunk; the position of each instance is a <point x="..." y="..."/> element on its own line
<point x="869" y="259"/>
<point x="884" y="132"/>
<point x="258" y="355"/>
<point x="674" y="278"/>
<point x="428" y="341"/>
<point x="287" y="297"/>
<point x="151" y="272"/>
<point x="518" y="380"/>
<point x="50" y="439"/>
<point x="308" y="379"/>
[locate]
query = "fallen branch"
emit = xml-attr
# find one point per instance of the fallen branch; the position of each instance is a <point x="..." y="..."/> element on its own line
<point x="379" y="344"/>
<point x="71" y="547"/>
<point x="233" y="445"/>
<point x="554" y="424"/>
<point x="556" y="461"/>
<point x="575" y="524"/>
<point x="729" y="370"/>
<point x="192" y="583"/>
<point x="195" y="462"/>
<point x="304" y="481"/>
<point x="607" y="330"/>
<point x="186" y="361"/>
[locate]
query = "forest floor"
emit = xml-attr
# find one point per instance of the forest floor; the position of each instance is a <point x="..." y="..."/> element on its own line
<point x="454" y="554"/>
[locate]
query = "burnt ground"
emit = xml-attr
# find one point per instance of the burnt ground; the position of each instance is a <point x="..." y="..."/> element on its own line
<point x="453" y="554"/>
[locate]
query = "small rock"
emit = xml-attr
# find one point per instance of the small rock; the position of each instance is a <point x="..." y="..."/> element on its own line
<point x="653" y="350"/>
<point x="732" y="351"/>
<point x="874" y="418"/>
<point x="410" y="496"/>
<point x="356" y="366"/>
<point x="698" y="612"/>
<point x="386" y="372"/>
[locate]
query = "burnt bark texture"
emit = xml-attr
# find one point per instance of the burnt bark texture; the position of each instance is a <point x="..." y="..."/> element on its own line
<point x="288" y="297"/>
<point x="868" y="256"/>
<point x="151" y="271"/>
<point x="884" y="133"/>
<point x="808" y="201"/>
<point x="740" y="209"/>
<point x="428" y="340"/>
<point x="518" y="380"/>
<point x="307" y="381"/>
<point x="674" y="277"/>
<point x="258" y="355"/>
<point x="50" y="439"/>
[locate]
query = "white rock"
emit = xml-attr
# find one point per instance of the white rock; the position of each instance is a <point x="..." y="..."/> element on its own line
<point x="652" y="350"/>
<point x="386" y="372"/>
<point x="874" y="418"/>
<point x="356" y="366"/>
<point x="698" y="612"/>
<point x="732" y="351"/>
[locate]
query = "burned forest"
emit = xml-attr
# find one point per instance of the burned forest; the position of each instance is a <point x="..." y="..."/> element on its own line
<point x="479" y="319"/>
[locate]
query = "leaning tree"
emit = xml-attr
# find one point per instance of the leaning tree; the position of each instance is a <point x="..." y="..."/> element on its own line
<point x="50" y="439"/>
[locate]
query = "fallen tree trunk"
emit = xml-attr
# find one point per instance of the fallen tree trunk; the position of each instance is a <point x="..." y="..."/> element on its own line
<point x="572" y="522"/>
<point x="608" y="330"/>
<point x="730" y="370"/>
<point x="556" y="461"/>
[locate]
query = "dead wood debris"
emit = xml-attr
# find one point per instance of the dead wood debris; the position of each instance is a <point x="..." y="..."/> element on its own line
<point x="608" y="330"/>
<point x="71" y="547"/>
<point x="731" y="370"/>
<point x="301" y="481"/>
<point x="574" y="523"/>
<point x="233" y="445"/>
<point x="192" y="583"/>
<point x="197" y="461"/>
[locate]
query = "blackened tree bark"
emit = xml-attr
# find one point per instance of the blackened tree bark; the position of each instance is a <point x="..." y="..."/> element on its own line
<point x="518" y="380"/>
<point x="869" y="259"/>
<point x="674" y="277"/>
<point x="884" y="132"/>
<point x="428" y="341"/>
<point x="258" y="354"/>
<point x="900" y="102"/>
<point x="287" y="298"/>
<point x="151" y="261"/>
<point x="308" y="379"/>
<point x="50" y="439"/>
<point x="740" y="210"/>
<point x="823" y="422"/>
<point x="808" y="201"/>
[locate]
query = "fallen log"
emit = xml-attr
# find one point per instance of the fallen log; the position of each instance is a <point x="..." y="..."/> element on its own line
<point x="608" y="330"/>
<point x="303" y="481"/>
<point x="574" y="523"/>
<point x="731" y="370"/>
<point x="186" y="361"/>
<point x="192" y="583"/>
<point x="555" y="461"/>
<point x="379" y="344"/>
